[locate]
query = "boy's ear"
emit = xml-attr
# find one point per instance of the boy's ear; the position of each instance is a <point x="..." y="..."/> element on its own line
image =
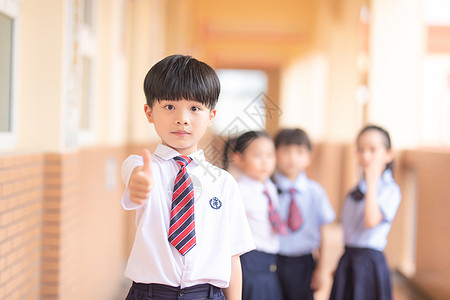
<point x="148" y="113"/>
<point x="212" y="115"/>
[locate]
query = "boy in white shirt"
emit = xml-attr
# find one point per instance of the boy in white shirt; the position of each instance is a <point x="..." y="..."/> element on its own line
<point x="191" y="224"/>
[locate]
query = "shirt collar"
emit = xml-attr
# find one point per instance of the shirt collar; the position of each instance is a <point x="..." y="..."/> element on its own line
<point x="285" y="184"/>
<point x="255" y="184"/>
<point x="167" y="153"/>
<point x="385" y="179"/>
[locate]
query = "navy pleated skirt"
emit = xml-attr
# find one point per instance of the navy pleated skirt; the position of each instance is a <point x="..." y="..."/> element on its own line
<point x="259" y="277"/>
<point x="361" y="274"/>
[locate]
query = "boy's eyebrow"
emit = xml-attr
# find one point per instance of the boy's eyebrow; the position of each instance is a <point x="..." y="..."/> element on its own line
<point x="176" y="100"/>
<point x="196" y="101"/>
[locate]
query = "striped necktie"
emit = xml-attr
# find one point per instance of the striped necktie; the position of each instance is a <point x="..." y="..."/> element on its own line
<point x="182" y="221"/>
<point x="274" y="217"/>
<point x="295" y="219"/>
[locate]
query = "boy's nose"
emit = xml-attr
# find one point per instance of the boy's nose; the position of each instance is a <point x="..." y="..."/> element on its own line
<point x="182" y="119"/>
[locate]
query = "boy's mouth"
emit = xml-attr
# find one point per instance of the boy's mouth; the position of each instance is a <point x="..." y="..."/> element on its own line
<point x="180" y="133"/>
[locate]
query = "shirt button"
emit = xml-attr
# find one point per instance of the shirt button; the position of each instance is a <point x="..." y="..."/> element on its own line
<point x="181" y="293"/>
<point x="273" y="268"/>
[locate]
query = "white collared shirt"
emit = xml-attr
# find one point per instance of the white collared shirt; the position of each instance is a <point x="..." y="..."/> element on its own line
<point x="221" y="226"/>
<point x="316" y="210"/>
<point x="257" y="209"/>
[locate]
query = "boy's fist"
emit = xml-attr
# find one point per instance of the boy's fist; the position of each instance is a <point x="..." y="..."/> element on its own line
<point x="141" y="181"/>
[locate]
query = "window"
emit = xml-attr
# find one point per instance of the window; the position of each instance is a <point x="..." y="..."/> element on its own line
<point x="6" y="30"/>
<point x="8" y="21"/>
<point x="243" y="104"/>
<point x="436" y="92"/>
<point x="86" y="97"/>
<point x="86" y="67"/>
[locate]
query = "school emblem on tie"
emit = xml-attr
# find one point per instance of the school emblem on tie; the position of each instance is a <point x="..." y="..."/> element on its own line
<point x="215" y="203"/>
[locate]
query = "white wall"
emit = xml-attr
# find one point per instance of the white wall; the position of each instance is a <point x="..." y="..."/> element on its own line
<point x="41" y="78"/>
<point x="112" y="112"/>
<point x="129" y="39"/>
<point x="148" y="45"/>
<point x="304" y="86"/>
<point x="434" y="109"/>
<point x="318" y="88"/>
<point x="396" y="50"/>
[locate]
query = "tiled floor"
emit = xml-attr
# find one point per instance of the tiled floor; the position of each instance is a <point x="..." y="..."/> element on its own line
<point x="333" y="249"/>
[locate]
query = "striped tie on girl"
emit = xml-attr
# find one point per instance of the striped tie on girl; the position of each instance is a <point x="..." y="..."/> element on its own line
<point x="295" y="218"/>
<point x="278" y="225"/>
<point x="182" y="221"/>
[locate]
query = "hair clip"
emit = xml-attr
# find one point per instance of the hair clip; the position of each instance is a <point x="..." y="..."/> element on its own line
<point x="356" y="194"/>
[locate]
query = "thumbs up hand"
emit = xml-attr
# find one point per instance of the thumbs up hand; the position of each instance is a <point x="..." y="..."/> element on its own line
<point x="141" y="181"/>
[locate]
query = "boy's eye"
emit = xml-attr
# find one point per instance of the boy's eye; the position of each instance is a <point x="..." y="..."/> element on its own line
<point x="195" y="108"/>
<point x="170" y="107"/>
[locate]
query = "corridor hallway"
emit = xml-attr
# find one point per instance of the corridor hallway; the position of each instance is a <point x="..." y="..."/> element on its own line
<point x="71" y="111"/>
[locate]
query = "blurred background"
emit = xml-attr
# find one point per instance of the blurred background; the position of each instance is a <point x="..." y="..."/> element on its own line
<point x="71" y="109"/>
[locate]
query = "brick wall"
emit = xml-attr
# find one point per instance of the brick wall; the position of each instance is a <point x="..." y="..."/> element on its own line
<point x="433" y="223"/>
<point x="21" y="195"/>
<point x="63" y="232"/>
<point x="85" y="241"/>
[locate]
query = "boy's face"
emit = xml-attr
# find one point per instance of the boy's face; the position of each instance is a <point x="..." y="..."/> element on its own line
<point x="180" y="124"/>
<point x="292" y="159"/>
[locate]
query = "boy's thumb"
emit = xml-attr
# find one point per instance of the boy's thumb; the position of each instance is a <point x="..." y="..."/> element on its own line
<point x="147" y="168"/>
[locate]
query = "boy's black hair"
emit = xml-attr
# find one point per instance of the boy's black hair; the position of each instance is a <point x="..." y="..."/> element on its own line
<point x="387" y="139"/>
<point x="179" y="77"/>
<point x="295" y="136"/>
<point x="239" y="144"/>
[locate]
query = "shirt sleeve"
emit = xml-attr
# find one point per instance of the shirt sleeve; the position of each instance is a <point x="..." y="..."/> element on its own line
<point x="389" y="201"/>
<point x="241" y="236"/>
<point x="128" y="166"/>
<point x="327" y="214"/>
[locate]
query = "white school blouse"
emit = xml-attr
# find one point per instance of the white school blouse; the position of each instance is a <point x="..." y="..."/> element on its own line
<point x="257" y="209"/>
<point x="355" y="232"/>
<point x="221" y="226"/>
